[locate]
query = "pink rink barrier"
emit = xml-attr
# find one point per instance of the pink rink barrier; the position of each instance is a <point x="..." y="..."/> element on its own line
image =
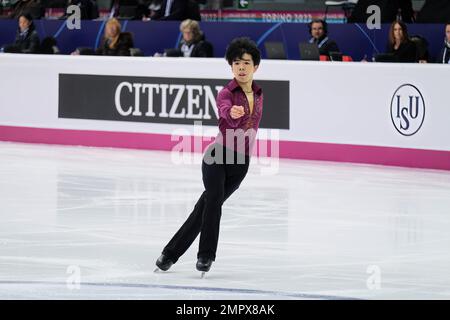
<point x="390" y="156"/>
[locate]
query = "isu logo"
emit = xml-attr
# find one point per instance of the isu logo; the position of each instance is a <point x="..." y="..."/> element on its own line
<point x="407" y="110"/>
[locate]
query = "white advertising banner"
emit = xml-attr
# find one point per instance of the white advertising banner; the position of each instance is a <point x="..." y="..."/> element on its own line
<point x="367" y="104"/>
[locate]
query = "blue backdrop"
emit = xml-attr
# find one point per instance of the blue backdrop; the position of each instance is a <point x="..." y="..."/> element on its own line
<point x="353" y="39"/>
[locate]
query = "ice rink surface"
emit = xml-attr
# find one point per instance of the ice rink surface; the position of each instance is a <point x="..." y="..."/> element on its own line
<point x="89" y="223"/>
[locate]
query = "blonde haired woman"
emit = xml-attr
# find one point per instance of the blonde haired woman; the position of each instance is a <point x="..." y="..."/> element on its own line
<point x="115" y="42"/>
<point x="193" y="43"/>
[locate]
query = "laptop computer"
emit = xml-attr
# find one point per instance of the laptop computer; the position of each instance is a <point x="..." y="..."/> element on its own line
<point x="173" y="52"/>
<point x="309" y="51"/>
<point x="275" y="50"/>
<point x="385" y="57"/>
<point x="336" y="56"/>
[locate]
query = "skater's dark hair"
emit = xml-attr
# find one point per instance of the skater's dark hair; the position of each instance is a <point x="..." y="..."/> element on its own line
<point x="240" y="46"/>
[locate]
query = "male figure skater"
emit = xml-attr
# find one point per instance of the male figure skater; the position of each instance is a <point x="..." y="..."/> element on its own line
<point x="226" y="161"/>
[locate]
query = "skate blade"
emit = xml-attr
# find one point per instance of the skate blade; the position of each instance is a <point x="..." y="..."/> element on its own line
<point x="203" y="275"/>
<point x="156" y="270"/>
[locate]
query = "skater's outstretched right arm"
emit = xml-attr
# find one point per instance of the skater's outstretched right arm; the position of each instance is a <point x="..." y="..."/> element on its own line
<point x="232" y="114"/>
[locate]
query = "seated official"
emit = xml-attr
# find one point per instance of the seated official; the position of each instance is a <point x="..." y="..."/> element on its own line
<point x="444" y="56"/>
<point x="115" y="42"/>
<point x="193" y="43"/>
<point x="319" y="36"/>
<point x="27" y="39"/>
<point x="399" y="45"/>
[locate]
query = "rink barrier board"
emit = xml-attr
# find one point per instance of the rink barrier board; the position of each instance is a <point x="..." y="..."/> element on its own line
<point x="388" y="156"/>
<point x="350" y="121"/>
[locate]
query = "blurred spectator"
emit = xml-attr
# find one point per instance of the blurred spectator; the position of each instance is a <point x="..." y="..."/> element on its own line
<point x="391" y="10"/>
<point x="400" y="46"/>
<point x="27" y="38"/>
<point x="193" y="9"/>
<point x="444" y="56"/>
<point x="193" y="43"/>
<point x="88" y="9"/>
<point x="172" y="10"/>
<point x="434" y="11"/>
<point x="115" y="42"/>
<point x="189" y="9"/>
<point x="147" y="9"/>
<point x="319" y="36"/>
<point x="155" y="6"/>
<point x="127" y="9"/>
<point x="30" y="7"/>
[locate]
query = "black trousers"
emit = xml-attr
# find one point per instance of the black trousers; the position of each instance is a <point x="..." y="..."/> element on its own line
<point x="220" y="179"/>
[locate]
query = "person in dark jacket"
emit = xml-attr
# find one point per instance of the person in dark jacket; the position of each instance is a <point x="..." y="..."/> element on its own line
<point x="444" y="56"/>
<point x="172" y="10"/>
<point x="115" y="42"/>
<point x="145" y="9"/>
<point x="27" y="38"/>
<point x="194" y="43"/>
<point x="31" y="7"/>
<point x="319" y="36"/>
<point x="400" y="46"/>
